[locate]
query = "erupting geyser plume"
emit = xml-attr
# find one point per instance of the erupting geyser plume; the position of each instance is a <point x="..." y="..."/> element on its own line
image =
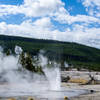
<point x="52" y="73"/>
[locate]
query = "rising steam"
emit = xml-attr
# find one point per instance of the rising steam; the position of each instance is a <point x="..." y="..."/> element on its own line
<point x="18" y="81"/>
<point x="10" y="71"/>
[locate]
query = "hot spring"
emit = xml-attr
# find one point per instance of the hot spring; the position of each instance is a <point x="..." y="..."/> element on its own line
<point x="24" y="83"/>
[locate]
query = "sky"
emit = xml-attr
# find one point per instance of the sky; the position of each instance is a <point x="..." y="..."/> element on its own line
<point x="64" y="20"/>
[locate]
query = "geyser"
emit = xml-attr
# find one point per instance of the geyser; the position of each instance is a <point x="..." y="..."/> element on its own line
<point x="52" y="73"/>
<point x="53" y="77"/>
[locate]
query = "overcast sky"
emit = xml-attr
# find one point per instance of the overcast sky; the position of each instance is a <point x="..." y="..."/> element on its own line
<point x="64" y="20"/>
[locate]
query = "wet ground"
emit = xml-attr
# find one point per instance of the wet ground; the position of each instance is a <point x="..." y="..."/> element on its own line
<point x="37" y="91"/>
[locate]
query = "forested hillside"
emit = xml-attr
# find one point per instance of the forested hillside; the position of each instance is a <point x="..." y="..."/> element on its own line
<point x="75" y="54"/>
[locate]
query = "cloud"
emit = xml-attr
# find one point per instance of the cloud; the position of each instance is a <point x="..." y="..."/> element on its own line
<point x="88" y="3"/>
<point x="44" y="22"/>
<point x="43" y="8"/>
<point x="46" y="13"/>
<point x="33" y="8"/>
<point x="63" y="18"/>
<point x="79" y="34"/>
<point x="92" y="7"/>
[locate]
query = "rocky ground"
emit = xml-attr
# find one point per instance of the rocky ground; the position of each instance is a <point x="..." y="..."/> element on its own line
<point x="81" y="77"/>
<point x="92" y="96"/>
<point x="83" y="80"/>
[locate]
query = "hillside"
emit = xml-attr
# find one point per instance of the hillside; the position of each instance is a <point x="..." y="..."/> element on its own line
<point x="75" y="54"/>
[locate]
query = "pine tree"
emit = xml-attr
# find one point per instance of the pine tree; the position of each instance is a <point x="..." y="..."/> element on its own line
<point x="8" y="52"/>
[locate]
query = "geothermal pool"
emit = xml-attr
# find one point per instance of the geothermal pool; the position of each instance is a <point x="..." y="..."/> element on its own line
<point x="38" y="90"/>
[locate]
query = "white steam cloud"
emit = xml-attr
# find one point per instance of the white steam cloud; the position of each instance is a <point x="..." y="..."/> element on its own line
<point x="12" y="72"/>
